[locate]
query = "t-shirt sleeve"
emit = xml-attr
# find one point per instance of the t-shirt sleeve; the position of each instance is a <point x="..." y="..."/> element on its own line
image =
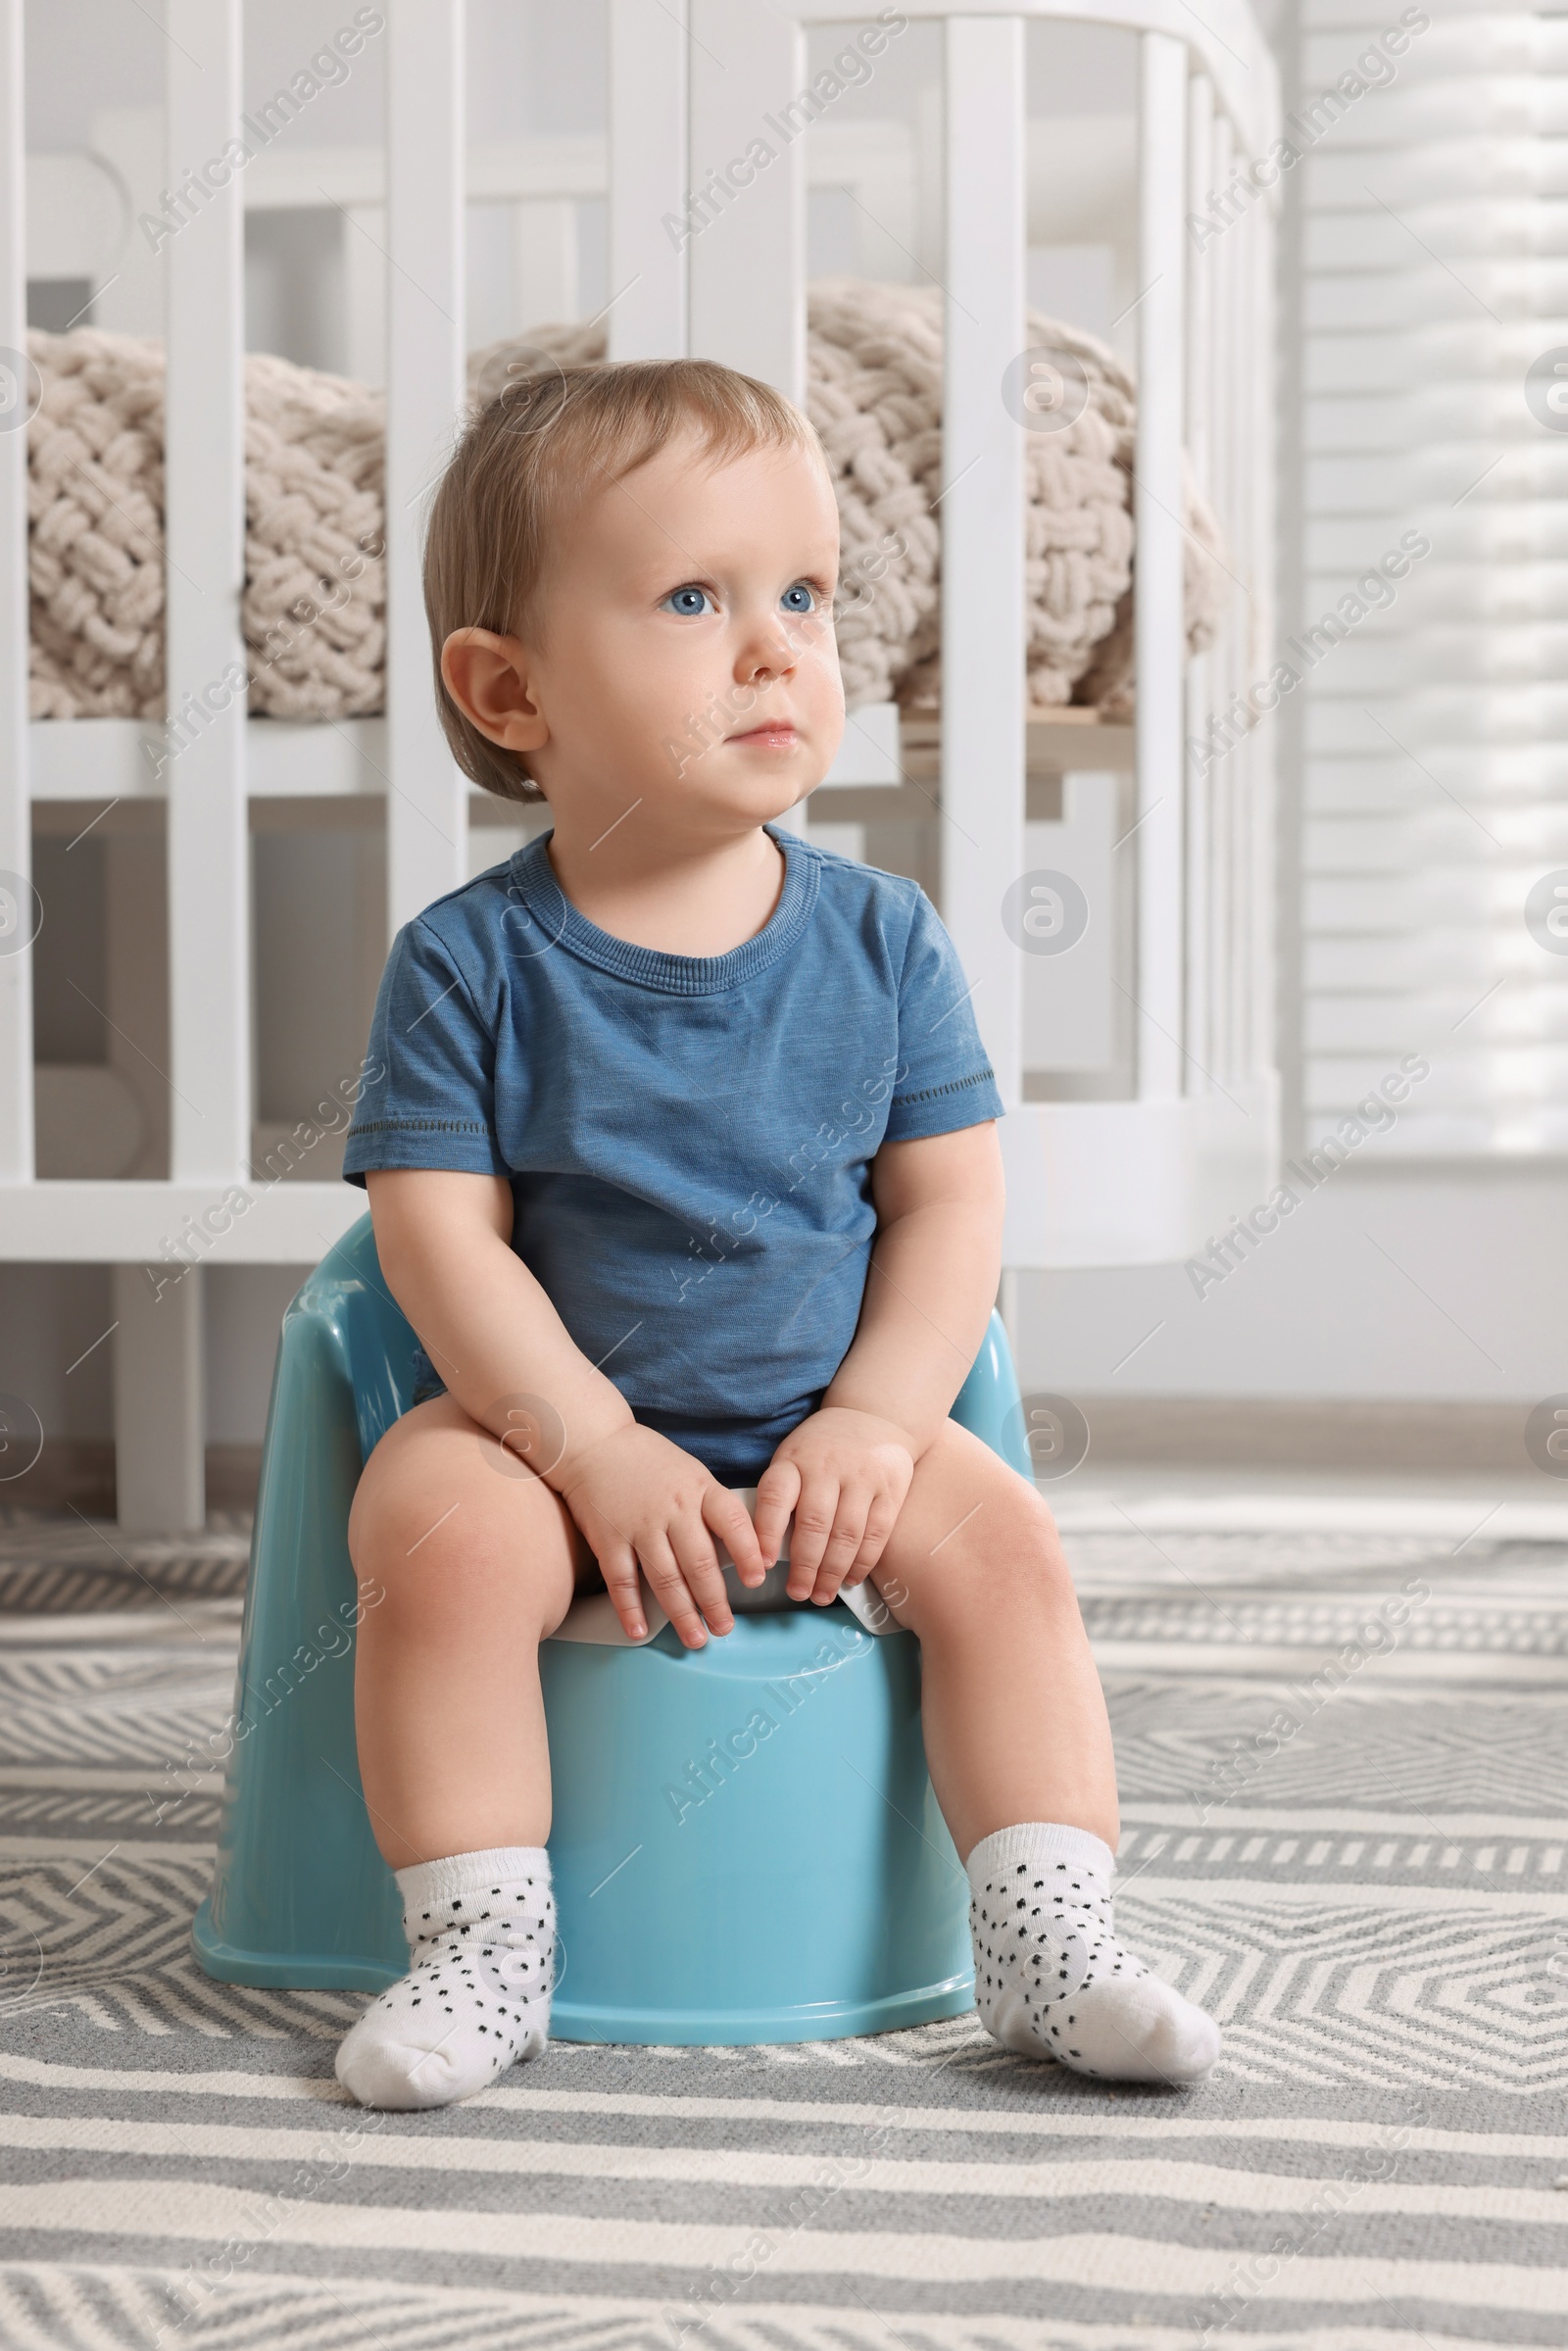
<point x="429" y="1097"/>
<point x="945" y="1079"/>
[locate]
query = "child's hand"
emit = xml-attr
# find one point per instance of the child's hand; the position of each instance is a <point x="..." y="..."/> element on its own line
<point x="637" y="1497"/>
<point x="845" y="1475"/>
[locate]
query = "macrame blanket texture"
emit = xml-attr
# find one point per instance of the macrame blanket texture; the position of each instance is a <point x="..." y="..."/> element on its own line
<point x="314" y="608"/>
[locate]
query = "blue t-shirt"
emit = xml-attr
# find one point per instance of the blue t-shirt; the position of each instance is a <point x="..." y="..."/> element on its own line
<point x="688" y="1138"/>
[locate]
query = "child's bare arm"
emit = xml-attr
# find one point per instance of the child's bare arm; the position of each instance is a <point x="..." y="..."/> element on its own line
<point x="933" y="1277"/>
<point x="444" y="1239"/>
<point x="445" y="1245"/>
<point x="846" y="1471"/>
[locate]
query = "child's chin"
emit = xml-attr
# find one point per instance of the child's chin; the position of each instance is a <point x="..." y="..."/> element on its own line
<point x="764" y="798"/>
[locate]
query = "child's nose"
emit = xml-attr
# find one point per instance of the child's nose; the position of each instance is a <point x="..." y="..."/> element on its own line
<point x="774" y="639"/>
<point x="768" y="659"/>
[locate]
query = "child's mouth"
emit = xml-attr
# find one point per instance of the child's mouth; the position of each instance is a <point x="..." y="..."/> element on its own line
<point x="770" y="738"/>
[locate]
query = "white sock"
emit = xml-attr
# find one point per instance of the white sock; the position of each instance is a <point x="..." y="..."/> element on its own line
<point x="1051" y="1979"/>
<point x="481" y="1933"/>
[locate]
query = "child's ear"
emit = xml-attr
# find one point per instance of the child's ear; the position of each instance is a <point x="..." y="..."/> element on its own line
<point x="487" y="677"/>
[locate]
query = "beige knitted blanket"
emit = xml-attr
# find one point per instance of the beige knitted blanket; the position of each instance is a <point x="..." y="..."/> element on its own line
<point x="315" y="592"/>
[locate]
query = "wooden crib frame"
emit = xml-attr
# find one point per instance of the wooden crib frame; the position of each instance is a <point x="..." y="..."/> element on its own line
<point x="1091" y="1182"/>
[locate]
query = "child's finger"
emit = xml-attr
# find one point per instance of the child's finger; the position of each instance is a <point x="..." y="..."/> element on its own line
<point x="843" y="1546"/>
<point x="670" y="1584"/>
<point x="777" y="1490"/>
<point x="697" y="1562"/>
<point x="617" y="1564"/>
<point x="726" y="1515"/>
<point x="815" y="1514"/>
<point x="881" y="1519"/>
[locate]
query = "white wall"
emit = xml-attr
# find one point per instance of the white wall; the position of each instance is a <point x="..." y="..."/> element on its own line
<point x="244" y="1310"/>
<point x="50" y="1317"/>
<point x="1421" y="1289"/>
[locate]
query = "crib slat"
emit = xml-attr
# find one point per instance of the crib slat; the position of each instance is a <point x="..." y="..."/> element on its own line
<point x="746" y="257"/>
<point x="1200" y="448"/>
<point x="15" y="824"/>
<point x="208" y="848"/>
<point x="1160" y="647"/>
<point x="1260" y="885"/>
<point x="427" y="816"/>
<point x="1233" y="267"/>
<point x="981" y="510"/>
<point x="647" y="179"/>
<point x="1244" y="758"/>
<point x="1222" y="666"/>
<point x="1200" y="280"/>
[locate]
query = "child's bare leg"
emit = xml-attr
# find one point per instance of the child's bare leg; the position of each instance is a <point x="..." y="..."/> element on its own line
<point x="1011" y="1707"/>
<point x="478" y="1559"/>
<point x="465" y="1562"/>
<point x="1019" y="1750"/>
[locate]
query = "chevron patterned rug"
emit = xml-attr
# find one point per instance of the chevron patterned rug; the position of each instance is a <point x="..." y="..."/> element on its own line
<point x="1344" y="1768"/>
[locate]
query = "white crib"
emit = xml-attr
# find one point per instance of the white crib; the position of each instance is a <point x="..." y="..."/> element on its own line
<point x="1091" y="1182"/>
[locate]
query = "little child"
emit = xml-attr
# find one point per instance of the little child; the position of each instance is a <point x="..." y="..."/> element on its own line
<point x="685" y="1169"/>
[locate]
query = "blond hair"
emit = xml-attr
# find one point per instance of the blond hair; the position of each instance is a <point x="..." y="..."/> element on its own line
<point x="551" y="436"/>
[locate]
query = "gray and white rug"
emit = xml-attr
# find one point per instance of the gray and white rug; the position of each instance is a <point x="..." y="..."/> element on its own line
<point x="1345" y="1769"/>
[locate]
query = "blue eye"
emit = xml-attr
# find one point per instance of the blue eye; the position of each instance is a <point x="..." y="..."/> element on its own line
<point x="799" y="598"/>
<point x="689" y="603"/>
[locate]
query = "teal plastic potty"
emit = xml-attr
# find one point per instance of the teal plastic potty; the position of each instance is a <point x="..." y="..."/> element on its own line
<point x="745" y="1847"/>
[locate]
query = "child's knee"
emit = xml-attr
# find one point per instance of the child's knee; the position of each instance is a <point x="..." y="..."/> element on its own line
<point x="1004" y="1555"/>
<point x="465" y="1543"/>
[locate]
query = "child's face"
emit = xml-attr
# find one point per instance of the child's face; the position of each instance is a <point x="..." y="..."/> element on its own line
<point x="688" y="658"/>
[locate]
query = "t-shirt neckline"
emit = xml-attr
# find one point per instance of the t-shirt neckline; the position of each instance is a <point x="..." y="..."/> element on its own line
<point x="652" y="966"/>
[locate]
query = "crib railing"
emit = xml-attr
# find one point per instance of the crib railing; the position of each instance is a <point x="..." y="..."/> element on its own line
<point x="1091" y="1182"/>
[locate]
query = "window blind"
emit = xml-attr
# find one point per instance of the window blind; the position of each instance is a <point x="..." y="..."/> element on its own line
<point x="1433" y="691"/>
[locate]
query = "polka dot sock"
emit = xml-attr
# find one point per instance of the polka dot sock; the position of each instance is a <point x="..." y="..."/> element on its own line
<point x="481" y="1933"/>
<point x="1051" y="1979"/>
